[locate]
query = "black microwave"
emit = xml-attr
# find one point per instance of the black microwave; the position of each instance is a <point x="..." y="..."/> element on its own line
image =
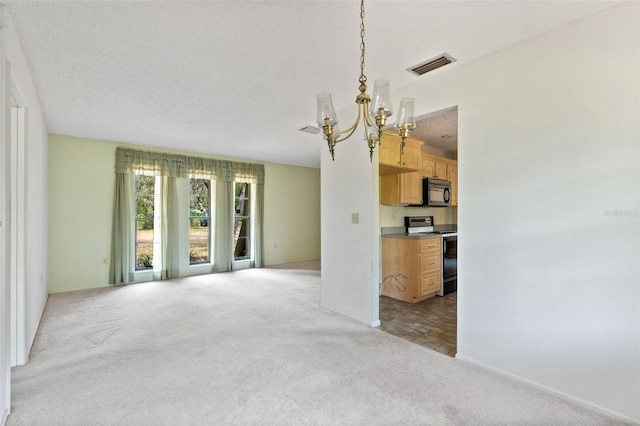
<point x="436" y="192"/>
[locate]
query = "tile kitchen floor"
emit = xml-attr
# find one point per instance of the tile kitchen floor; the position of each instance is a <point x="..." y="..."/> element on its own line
<point x="430" y="323"/>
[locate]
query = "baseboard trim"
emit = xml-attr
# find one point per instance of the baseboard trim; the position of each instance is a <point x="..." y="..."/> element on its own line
<point x="375" y="323"/>
<point x="565" y="396"/>
<point x="5" y="416"/>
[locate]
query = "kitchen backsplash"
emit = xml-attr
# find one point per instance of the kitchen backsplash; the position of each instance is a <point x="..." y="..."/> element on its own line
<point x="394" y="216"/>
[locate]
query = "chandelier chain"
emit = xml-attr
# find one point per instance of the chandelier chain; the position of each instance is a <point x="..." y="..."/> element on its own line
<point x="363" y="78"/>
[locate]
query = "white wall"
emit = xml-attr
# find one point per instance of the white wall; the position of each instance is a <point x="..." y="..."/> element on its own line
<point x="36" y="187"/>
<point x="5" y="296"/>
<point x="548" y="280"/>
<point x="349" y="251"/>
<point x="14" y="71"/>
<point x="549" y="165"/>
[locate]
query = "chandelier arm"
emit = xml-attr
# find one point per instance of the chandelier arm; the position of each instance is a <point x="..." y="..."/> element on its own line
<point x="351" y="129"/>
<point x="367" y="119"/>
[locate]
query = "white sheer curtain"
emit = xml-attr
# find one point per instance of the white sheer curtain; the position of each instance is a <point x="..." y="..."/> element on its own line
<point x="122" y="242"/>
<point x="223" y="233"/>
<point x="258" y="224"/>
<point x="170" y="229"/>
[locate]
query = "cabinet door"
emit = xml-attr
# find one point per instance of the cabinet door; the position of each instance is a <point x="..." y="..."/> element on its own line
<point x="452" y="175"/>
<point x="441" y="170"/>
<point x="411" y="188"/>
<point x="390" y="189"/>
<point x="389" y="151"/>
<point x="428" y="167"/>
<point x="404" y="188"/>
<point x="412" y="157"/>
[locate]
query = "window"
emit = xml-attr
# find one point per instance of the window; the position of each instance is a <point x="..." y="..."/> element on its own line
<point x="242" y="222"/>
<point x="170" y="229"/>
<point x="199" y="221"/>
<point x="145" y="202"/>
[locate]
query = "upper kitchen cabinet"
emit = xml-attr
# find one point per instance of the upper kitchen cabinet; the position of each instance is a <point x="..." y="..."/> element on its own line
<point x="442" y="168"/>
<point x="401" y="188"/>
<point x="400" y="173"/>
<point x="393" y="161"/>
<point x="452" y="175"/>
<point x="434" y="167"/>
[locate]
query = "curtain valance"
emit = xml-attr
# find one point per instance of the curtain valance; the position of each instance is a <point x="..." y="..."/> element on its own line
<point x="133" y="161"/>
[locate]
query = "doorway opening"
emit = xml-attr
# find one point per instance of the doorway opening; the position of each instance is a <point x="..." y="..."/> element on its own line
<point x="413" y="305"/>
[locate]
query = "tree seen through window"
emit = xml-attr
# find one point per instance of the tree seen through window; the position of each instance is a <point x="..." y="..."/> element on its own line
<point x="145" y="200"/>
<point x="199" y="221"/>
<point x="242" y="222"/>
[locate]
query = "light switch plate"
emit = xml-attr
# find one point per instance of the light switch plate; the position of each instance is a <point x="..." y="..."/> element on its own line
<point x="355" y="218"/>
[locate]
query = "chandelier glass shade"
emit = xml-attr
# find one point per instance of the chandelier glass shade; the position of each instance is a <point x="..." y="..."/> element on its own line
<point x="373" y="111"/>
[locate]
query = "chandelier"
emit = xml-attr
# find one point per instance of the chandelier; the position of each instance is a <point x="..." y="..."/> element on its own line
<point x="373" y="114"/>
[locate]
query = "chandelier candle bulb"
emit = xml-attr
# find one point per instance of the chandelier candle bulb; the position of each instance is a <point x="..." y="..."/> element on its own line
<point x="381" y="99"/>
<point x="406" y="120"/>
<point x="326" y="110"/>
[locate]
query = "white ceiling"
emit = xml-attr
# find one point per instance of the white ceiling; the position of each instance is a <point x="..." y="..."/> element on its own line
<point x="239" y="78"/>
<point x="438" y="129"/>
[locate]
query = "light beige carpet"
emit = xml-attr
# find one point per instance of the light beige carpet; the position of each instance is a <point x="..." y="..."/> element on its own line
<point x="250" y="347"/>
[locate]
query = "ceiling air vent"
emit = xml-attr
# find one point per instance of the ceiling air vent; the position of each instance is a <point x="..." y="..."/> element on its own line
<point x="432" y="64"/>
<point x="310" y="129"/>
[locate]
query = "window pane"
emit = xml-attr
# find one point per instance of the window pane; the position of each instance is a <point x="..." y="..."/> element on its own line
<point x="145" y="186"/>
<point x="242" y="199"/>
<point x="242" y="222"/>
<point x="199" y="230"/>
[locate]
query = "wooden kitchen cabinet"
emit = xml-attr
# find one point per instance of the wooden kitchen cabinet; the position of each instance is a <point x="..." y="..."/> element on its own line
<point x="442" y="168"/>
<point x="428" y="166"/>
<point x="434" y="167"/>
<point x="411" y="268"/>
<point x="403" y="187"/>
<point x="452" y="175"/>
<point x="390" y="159"/>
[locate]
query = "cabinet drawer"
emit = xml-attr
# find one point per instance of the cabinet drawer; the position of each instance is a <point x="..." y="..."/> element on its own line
<point x="432" y="244"/>
<point x="429" y="284"/>
<point x="429" y="263"/>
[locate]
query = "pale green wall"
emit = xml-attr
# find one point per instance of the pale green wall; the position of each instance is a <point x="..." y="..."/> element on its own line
<point x="81" y="186"/>
<point x="292" y="213"/>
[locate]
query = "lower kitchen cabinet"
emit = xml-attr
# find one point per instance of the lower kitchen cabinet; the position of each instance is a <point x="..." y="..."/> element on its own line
<point x="411" y="268"/>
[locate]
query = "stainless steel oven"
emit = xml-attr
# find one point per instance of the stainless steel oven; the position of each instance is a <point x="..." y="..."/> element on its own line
<point x="449" y="264"/>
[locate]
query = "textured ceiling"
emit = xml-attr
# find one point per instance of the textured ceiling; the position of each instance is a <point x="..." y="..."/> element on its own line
<point x="239" y="78"/>
<point x="438" y="129"/>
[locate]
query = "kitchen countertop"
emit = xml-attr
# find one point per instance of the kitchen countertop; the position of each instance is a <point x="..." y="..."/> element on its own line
<point x="404" y="235"/>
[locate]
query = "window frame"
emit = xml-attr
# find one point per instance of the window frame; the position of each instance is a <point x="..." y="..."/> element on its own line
<point x="244" y="262"/>
<point x="152" y="218"/>
<point x="210" y="223"/>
